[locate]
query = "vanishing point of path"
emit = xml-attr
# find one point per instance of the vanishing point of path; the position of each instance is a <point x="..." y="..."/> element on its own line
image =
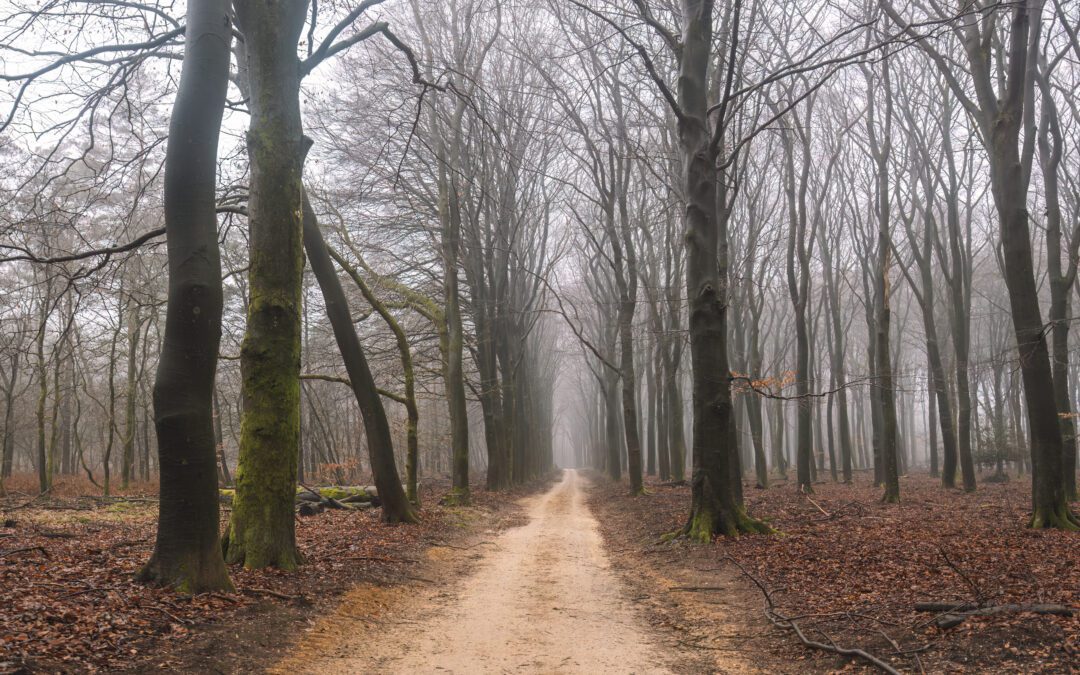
<point x="542" y="599"/>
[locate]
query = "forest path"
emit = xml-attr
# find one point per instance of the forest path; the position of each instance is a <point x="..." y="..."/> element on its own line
<point x="542" y="599"/>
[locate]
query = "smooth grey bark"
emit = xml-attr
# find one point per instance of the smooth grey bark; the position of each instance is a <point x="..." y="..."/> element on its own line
<point x="187" y="552"/>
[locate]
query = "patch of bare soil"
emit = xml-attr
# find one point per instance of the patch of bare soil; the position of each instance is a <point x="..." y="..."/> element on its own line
<point x="852" y="571"/>
<point x="540" y="598"/>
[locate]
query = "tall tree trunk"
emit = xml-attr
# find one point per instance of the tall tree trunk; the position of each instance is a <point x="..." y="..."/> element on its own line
<point x="412" y="412"/>
<point x="450" y="214"/>
<point x="130" y="426"/>
<point x="395" y="504"/>
<point x="262" y="531"/>
<point x="1061" y="281"/>
<point x="187" y="552"/>
<point x="8" y="457"/>
<point x="44" y="479"/>
<point x="798" y="279"/>
<point x="715" y="506"/>
<point x="881" y="149"/>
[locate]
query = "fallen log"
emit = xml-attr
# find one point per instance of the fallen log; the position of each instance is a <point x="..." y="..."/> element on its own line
<point x="931" y="606"/>
<point x="954" y="615"/>
<point x="325" y="501"/>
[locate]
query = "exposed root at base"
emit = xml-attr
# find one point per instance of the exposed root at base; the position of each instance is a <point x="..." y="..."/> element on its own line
<point x="699" y="527"/>
<point x="1059" y="519"/>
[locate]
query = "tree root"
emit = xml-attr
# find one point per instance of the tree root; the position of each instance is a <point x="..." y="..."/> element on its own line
<point x="271" y="593"/>
<point x="699" y="527"/>
<point x="1059" y="519"/>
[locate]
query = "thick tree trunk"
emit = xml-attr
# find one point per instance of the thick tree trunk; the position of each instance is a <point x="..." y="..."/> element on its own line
<point x="262" y="531"/>
<point x="715" y="504"/>
<point x="187" y="552"/>
<point x="1061" y="282"/>
<point x="1009" y="181"/>
<point x="498" y="469"/>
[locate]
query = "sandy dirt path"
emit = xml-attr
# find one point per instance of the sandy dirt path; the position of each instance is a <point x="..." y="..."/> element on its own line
<point x="542" y="599"/>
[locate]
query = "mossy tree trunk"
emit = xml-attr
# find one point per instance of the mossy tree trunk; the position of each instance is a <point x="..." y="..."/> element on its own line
<point x="262" y="530"/>
<point x="395" y="504"/>
<point x="187" y="552"/>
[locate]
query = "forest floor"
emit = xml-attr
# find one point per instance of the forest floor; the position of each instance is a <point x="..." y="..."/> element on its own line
<point x="849" y="570"/>
<point x="69" y="602"/>
<point x="573" y="578"/>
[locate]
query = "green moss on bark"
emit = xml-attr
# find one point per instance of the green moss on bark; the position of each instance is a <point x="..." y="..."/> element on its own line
<point x="457" y="497"/>
<point x="1060" y="518"/>
<point x="262" y="529"/>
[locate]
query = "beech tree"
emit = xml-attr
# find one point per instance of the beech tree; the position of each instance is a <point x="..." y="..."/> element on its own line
<point x="187" y="553"/>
